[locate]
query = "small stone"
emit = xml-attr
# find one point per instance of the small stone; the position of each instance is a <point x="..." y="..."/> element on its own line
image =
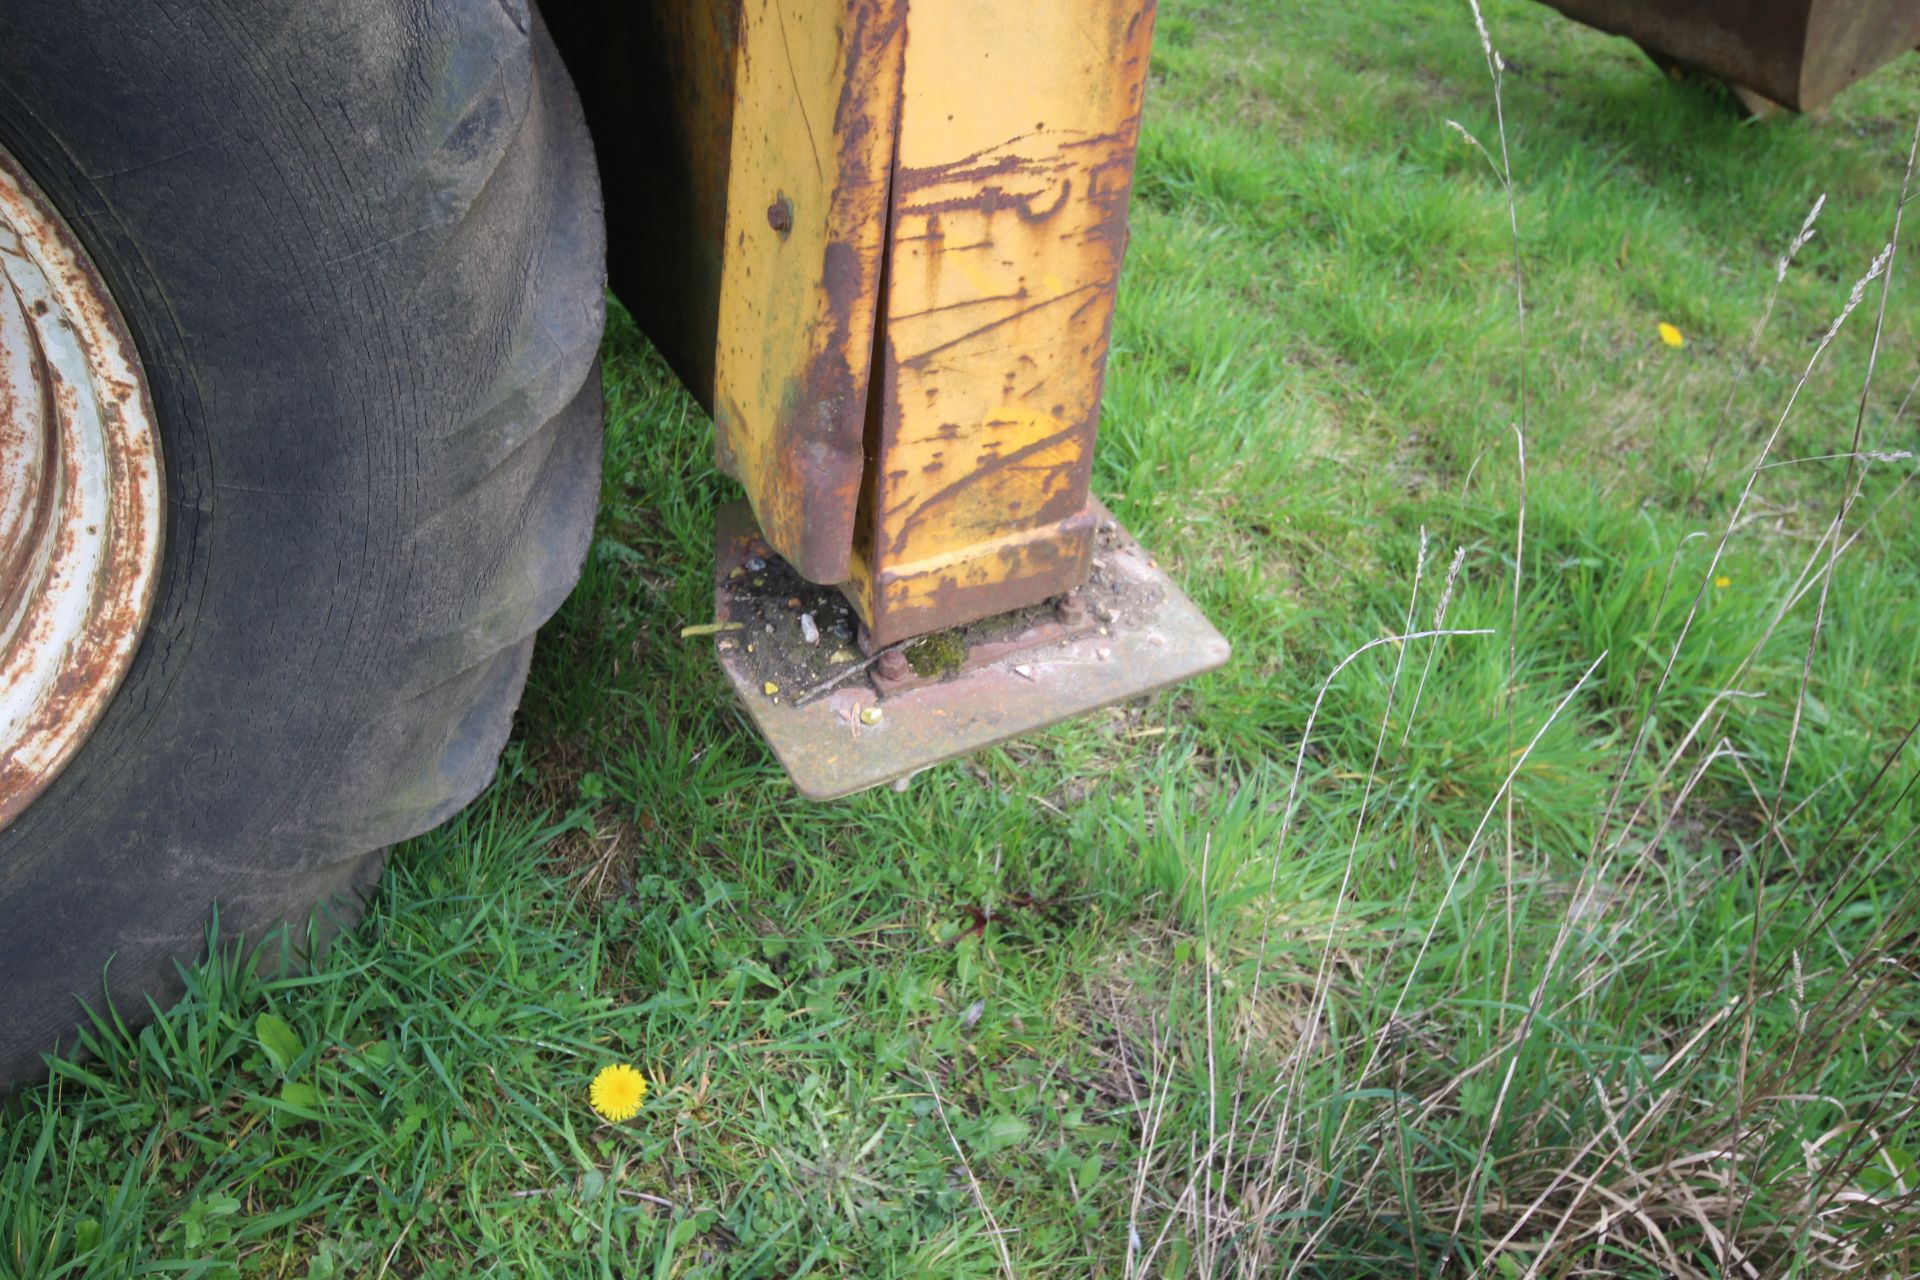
<point x="736" y="572"/>
<point x="1103" y="654"/>
<point x="793" y="602"/>
<point x="808" y="631"/>
<point x="725" y="645"/>
<point x="749" y="648"/>
<point x="843" y="655"/>
<point x="871" y="715"/>
<point x="759" y="582"/>
<point x="770" y="688"/>
<point x="1024" y="671"/>
<point x="755" y="564"/>
<point x="769" y="628"/>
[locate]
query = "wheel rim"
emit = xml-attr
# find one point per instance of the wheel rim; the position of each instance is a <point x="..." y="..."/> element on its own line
<point x="80" y="494"/>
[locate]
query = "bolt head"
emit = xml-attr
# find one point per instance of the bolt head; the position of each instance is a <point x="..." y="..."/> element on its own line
<point x="893" y="665"/>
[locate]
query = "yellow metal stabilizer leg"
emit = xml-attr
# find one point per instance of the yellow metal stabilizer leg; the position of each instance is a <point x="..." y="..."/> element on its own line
<point x="924" y="221"/>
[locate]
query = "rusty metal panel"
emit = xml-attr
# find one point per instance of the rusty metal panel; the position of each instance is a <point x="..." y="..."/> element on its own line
<point x="1798" y="53"/>
<point x="1013" y="168"/>
<point x="1846" y="39"/>
<point x="816" y="92"/>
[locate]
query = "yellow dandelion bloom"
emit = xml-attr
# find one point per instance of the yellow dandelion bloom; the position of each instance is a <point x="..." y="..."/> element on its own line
<point x="1723" y="582"/>
<point x="617" y="1092"/>
<point x="1671" y="335"/>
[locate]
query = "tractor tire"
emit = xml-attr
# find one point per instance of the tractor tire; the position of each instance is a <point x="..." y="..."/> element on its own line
<point x="359" y="247"/>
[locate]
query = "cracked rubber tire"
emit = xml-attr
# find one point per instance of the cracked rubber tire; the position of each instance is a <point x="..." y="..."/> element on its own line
<point x="359" y="246"/>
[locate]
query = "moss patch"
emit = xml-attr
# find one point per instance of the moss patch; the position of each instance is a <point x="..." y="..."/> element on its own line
<point x="941" y="654"/>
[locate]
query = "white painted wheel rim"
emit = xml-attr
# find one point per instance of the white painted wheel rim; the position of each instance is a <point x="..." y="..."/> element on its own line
<point x="80" y="495"/>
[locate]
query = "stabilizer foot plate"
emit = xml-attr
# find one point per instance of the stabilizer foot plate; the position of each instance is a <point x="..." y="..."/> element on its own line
<point x="791" y="650"/>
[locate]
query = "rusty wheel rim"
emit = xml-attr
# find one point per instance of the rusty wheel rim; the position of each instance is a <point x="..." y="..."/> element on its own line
<point x="80" y="494"/>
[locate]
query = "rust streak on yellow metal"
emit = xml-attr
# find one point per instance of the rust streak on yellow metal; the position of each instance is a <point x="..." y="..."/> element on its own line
<point x="1014" y="163"/>
<point x="817" y="86"/>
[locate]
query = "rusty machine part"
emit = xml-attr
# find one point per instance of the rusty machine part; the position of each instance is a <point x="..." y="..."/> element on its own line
<point x="1772" y="53"/>
<point x="80" y="494"/>
<point x="905" y="238"/>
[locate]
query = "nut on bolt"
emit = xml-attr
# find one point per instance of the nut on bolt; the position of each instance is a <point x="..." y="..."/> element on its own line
<point x="1072" y="609"/>
<point x="893" y="665"/>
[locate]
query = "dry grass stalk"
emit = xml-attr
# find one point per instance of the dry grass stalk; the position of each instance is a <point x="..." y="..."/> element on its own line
<point x="1669" y="1166"/>
<point x="979" y="1196"/>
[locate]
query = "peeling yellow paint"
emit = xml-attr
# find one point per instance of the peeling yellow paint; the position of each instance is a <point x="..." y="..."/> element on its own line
<point x="1010" y="185"/>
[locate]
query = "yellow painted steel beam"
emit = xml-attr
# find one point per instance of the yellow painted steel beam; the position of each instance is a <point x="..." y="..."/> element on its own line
<point x="926" y="214"/>
<point x="1013" y="167"/>
<point x="816" y="89"/>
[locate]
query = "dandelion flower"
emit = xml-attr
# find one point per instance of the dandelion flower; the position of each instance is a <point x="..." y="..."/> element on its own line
<point x="1671" y="335"/>
<point x="617" y="1092"/>
<point x="1723" y="582"/>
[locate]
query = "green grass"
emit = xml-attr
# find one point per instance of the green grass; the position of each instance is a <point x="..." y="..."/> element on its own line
<point x="1620" y="1044"/>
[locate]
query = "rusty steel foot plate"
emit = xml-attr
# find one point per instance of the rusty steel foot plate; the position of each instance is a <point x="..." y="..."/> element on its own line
<point x="793" y="652"/>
